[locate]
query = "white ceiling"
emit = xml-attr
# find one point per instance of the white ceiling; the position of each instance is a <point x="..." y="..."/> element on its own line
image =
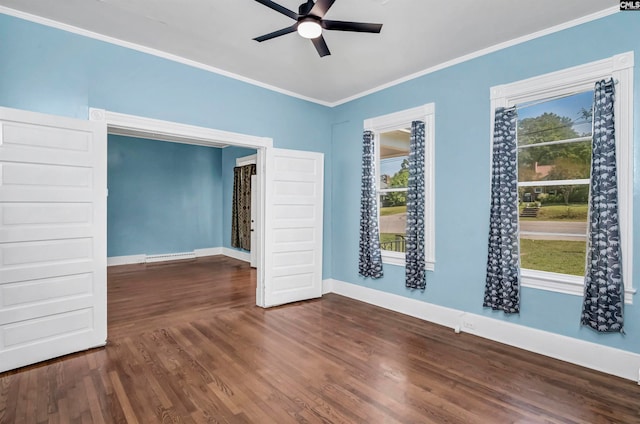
<point x="416" y="35"/>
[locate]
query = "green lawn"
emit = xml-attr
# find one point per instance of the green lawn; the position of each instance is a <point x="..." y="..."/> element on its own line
<point x="565" y="257"/>
<point x="573" y="212"/>
<point x="392" y="210"/>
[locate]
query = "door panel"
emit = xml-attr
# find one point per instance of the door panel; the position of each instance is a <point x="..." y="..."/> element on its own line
<point x="46" y="290"/>
<point x="293" y="221"/>
<point x="52" y="236"/>
<point x="23" y="221"/>
<point x="33" y="331"/>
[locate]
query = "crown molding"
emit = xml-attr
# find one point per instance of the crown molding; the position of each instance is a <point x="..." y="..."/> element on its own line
<point x="175" y="58"/>
<point x="483" y="52"/>
<point x="154" y="52"/>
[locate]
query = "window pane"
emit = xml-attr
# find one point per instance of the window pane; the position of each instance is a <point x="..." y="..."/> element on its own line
<point x="561" y="256"/>
<point x="553" y="219"/>
<point x="558" y="119"/>
<point x="566" y="161"/>
<point x="393" y="221"/>
<point x="394" y="158"/>
<point x="554" y="203"/>
<point x="553" y="228"/>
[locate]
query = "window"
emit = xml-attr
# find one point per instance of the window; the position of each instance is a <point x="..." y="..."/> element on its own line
<point x="392" y="137"/>
<point x="554" y="165"/>
<point x="393" y="168"/>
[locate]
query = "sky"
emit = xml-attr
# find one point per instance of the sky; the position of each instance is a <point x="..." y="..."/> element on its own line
<point x="391" y="166"/>
<point x="566" y="106"/>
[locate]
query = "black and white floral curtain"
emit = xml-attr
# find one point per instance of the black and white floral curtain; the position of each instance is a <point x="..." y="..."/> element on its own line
<point x="414" y="256"/>
<point x="241" y="206"/>
<point x="502" y="289"/>
<point x="603" y="303"/>
<point x="370" y="264"/>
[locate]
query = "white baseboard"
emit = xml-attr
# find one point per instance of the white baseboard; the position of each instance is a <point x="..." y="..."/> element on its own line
<point x="145" y="259"/>
<point x="602" y="358"/>
<point x="327" y="286"/>
<point x="210" y="251"/>
<point x="126" y="260"/>
<point x="446" y="317"/>
<point x="236" y="254"/>
<point x="599" y="357"/>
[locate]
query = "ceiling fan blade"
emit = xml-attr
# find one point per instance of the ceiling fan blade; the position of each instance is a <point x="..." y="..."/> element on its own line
<point x="277" y="33"/>
<point x="321" y="7"/>
<point x="351" y="26"/>
<point x="278" y="8"/>
<point x="321" y="46"/>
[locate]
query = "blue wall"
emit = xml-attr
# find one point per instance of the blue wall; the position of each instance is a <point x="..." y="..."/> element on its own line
<point x="168" y="197"/>
<point x="48" y="70"/>
<point x="461" y="97"/>
<point x="163" y="197"/>
<point x="52" y="71"/>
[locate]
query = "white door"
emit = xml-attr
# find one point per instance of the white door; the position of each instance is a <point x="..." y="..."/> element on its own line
<point x="52" y="236"/>
<point x="254" y="220"/>
<point x="293" y="226"/>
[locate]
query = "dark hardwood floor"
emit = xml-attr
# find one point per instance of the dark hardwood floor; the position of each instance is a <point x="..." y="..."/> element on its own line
<point x="188" y="345"/>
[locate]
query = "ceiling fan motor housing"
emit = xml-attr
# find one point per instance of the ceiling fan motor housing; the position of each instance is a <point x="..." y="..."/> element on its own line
<point x="305" y="8"/>
<point x="310" y="23"/>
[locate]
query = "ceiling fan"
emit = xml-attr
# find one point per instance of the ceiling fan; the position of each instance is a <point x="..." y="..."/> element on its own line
<point x="310" y="23"/>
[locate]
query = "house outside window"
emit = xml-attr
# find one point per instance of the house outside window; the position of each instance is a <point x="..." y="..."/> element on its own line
<point x="392" y="137"/>
<point x="554" y="164"/>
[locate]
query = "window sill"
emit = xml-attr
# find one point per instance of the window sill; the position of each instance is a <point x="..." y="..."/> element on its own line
<point x="561" y="283"/>
<point x="395" y="258"/>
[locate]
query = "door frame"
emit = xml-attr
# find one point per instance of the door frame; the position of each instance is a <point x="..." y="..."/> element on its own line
<point x="139" y="126"/>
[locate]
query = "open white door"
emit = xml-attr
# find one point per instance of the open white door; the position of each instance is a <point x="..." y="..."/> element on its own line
<point x="293" y="226"/>
<point x="53" y="173"/>
<point x="254" y="222"/>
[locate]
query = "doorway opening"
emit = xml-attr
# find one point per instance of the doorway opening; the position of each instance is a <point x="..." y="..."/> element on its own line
<point x="140" y="127"/>
<point x="245" y="165"/>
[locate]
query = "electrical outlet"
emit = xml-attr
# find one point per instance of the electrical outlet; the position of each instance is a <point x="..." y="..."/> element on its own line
<point x="469" y="325"/>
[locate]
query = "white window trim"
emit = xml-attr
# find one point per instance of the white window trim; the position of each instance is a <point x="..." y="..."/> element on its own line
<point x="400" y="120"/>
<point x="567" y="81"/>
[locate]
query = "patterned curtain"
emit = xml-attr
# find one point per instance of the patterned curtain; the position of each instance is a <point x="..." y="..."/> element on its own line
<point x="241" y="206"/>
<point x="370" y="259"/>
<point x="414" y="269"/>
<point x="604" y="291"/>
<point x="502" y="290"/>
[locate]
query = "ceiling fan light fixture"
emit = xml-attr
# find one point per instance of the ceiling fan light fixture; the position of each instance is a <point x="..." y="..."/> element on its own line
<point x="309" y="28"/>
<point x="310" y="23"/>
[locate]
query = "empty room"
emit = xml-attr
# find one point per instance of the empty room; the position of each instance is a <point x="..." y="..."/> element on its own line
<point x="324" y="211"/>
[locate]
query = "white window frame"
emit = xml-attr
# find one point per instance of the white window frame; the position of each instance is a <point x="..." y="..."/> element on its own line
<point x="402" y="120"/>
<point x="565" y="82"/>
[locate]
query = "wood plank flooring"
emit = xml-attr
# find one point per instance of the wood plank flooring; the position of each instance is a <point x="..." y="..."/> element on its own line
<point x="188" y="345"/>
